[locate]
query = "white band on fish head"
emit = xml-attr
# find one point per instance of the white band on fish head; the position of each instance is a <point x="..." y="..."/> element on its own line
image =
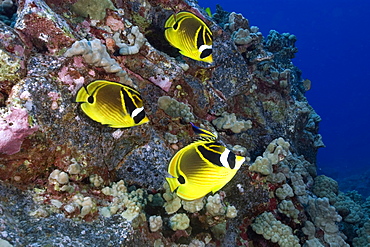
<point x="204" y="47"/>
<point x="137" y="111"/>
<point x="223" y="158"/>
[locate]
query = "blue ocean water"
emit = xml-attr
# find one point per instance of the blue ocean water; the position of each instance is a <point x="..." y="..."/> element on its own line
<point x="333" y="52"/>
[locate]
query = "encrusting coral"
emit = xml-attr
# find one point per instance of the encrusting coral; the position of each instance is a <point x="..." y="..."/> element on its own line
<point x="9" y="66"/>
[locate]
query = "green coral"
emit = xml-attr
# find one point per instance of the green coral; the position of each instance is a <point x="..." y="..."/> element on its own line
<point x="96" y="9"/>
<point x="140" y="21"/>
<point x="9" y="67"/>
<point x="175" y="109"/>
<point x="277" y="110"/>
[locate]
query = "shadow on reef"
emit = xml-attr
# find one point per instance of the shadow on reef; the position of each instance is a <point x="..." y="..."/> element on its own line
<point x="60" y="168"/>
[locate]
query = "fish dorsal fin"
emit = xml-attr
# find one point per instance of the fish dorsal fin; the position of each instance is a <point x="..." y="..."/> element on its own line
<point x="204" y="135"/>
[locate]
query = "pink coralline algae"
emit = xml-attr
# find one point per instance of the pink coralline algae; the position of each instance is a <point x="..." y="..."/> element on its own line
<point x="14" y="128"/>
<point x="66" y="78"/>
<point x="114" y="24"/>
<point x="162" y="82"/>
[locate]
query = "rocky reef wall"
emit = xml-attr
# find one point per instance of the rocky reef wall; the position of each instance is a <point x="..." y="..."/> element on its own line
<point x="61" y="169"/>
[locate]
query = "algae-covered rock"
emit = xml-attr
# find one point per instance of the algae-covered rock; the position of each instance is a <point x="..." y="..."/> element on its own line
<point x="94" y="9"/>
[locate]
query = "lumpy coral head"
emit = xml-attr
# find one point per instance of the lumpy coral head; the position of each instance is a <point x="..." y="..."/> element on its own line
<point x="14" y="128"/>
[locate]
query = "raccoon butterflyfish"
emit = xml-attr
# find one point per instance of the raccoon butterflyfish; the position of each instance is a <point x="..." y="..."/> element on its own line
<point x="113" y="104"/>
<point x="202" y="166"/>
<point x="188" y="33"/>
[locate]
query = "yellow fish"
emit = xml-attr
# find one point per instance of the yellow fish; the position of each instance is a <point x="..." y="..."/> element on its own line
<point x="113" y="104"/>
<point x="202" y="166"/>
<point x="190" y="35"/>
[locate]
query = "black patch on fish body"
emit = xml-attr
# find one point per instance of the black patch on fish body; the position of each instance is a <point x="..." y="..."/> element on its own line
<point x="176" y="25"/>
<point x="90" y="99"/>
<point x="211" y="155"/>
<point x="231" y="160"/>
<point x="181" y="179"/>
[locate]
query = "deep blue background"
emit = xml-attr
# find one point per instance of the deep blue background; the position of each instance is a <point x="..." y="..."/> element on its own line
<point x="334" y="53"/>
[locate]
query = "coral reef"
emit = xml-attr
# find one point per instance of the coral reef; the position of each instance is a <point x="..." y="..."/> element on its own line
<point x="137" y="41"/>
<point x="272" y="229"/>
<point x="68" y="180"/>
<point x="325" y="217"/>
<point x="276" y="151"/>
<point x="363" y="236"/>
<point x="326" y="187"/>
<point x="228" y="121"/>
<point x="95" y="53"/>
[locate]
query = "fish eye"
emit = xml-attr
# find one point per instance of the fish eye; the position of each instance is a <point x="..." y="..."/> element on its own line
<point x="90" y="99"/>
<point x="181" y="179"/>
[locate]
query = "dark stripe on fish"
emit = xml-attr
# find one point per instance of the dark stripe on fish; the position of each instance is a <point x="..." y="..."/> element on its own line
<point x="130" y="106"/>
<point x="210" y="155"/>
<point x="139" y="117"/>
<point x="205" y="53"/>
<point x="231" y="160"/>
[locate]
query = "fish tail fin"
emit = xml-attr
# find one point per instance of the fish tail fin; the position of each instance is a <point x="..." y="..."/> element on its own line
<point x="173" y="182"/>
<point x="82" y="95"/>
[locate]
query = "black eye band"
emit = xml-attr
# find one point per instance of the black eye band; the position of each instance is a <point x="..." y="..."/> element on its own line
<point x="231" y="160"/>
<point x="139" y="117"/>
<point x="206" y="52"/>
